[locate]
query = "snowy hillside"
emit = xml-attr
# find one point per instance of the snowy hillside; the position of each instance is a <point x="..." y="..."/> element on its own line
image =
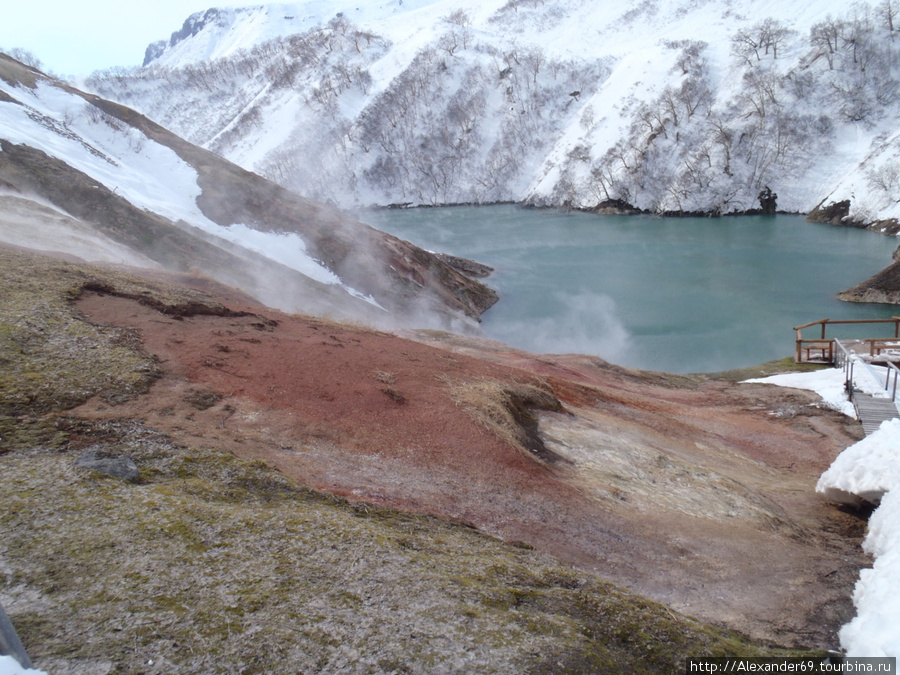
<point x="84" y="176"/>
<point x="665" y="105"/>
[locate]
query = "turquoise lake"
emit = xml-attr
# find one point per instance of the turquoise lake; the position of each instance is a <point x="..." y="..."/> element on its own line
<point x="674" y="294"/>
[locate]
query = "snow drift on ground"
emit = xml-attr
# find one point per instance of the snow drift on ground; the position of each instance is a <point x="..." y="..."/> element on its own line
<point x="876" y="629"/>
<point x="827" y="383"/>
<point x="866" y="471"/>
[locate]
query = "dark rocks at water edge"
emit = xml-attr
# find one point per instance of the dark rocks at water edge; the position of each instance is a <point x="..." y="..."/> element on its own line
<point x="470" y="268"/>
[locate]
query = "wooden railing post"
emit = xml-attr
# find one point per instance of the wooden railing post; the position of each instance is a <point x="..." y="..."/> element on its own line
<point x="876" y="345"/>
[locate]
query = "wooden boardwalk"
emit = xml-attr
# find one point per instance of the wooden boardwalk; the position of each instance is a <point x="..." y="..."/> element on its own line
<point x="873" y="411"/>
<point x="868" y="353"/>
<point x="821" y="349"/>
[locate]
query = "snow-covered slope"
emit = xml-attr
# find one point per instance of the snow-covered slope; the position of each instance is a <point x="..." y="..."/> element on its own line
<point x="666" y="105"/>
<point x="82" y="175"/>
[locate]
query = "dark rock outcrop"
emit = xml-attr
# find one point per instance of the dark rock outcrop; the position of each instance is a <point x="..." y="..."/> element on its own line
<point x="615" y="207"/>
<point x="768" y="201"/>
<point x="883" y="287"/>
<point x="835" y="213"/>
<point x="470" y="268"/>
<point x="112" y="464"/>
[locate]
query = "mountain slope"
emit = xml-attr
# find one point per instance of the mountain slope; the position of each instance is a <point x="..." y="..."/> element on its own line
<point x="671" y="106"/>
<point x="124" y="178"/>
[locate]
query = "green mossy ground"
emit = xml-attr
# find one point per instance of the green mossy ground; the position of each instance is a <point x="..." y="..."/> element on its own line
<point x="777" y="367"/>
<point x="208" y="563"/>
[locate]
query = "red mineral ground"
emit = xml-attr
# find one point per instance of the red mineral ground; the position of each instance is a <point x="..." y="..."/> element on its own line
<point x="695" y="492"/>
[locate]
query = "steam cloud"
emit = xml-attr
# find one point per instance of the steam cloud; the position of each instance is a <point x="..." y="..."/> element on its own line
<point x="582" y="323"/>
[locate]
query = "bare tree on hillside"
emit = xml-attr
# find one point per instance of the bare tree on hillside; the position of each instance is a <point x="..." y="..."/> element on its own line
<point x="888" y="11"/>
<point x="825" y="38"/>
<point x="691" y="57"/>
<point x="761" y="39"/>
<point x="26" y="57"/>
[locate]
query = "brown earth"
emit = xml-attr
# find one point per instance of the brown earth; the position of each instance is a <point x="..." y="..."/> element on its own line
<point x="696" y="493"/>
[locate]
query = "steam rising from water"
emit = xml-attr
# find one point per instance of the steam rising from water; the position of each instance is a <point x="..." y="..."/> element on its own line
<point x="583" y="323"/>
<point x="679" y="295"/>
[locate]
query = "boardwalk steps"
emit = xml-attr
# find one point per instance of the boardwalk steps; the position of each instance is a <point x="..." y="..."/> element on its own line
<point x="873" y="411"/>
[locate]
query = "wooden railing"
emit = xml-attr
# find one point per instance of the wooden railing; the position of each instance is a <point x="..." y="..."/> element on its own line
<point x="846" y="359"/>
<point x="822" y="348"/>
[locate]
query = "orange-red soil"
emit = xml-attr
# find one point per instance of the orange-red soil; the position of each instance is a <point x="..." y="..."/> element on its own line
<point x="369" y="416"/>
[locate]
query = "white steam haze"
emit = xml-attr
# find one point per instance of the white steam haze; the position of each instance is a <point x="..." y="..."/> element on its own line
<point x="584" y="322"/>
<point x="32" y="222"/>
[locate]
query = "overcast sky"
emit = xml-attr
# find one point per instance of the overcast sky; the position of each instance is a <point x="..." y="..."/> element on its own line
<point x="77" y="37"/>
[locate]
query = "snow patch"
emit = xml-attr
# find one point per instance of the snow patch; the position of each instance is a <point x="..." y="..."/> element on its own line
<point x="147" y="174"/>
<point x="865" y="470"/>
<point x="9" y="666"/>
<point x="827" y="383"/>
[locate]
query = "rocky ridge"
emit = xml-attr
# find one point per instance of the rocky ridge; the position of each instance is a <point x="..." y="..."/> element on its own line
<point x="50" y="168"/>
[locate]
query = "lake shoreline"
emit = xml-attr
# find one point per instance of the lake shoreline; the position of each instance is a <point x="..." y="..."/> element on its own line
<point x="628" y="288"/>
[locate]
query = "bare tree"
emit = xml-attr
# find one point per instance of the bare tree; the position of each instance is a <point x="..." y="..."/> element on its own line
<point x="760" y="40"/>
<point x="825" y="38"/>
<point x="534" y="59"/>
<point x="745" y="45"/>
<point x="693" y="94"/>
<point x="691" y="57"/>
<point x="669" y="102"/>
<point x="888" y="11"/>
<point x="25" y="57"/>
<point x="449" y="42"/>
<point x="772" y="34"/>
<point x="760" y="91"/>
<point x="886" y="178"/>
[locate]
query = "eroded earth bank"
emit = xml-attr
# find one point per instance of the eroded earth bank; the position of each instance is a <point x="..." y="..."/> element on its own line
<point x="317" y="496"/>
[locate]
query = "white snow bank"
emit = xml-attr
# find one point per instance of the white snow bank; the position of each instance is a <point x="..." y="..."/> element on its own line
<point x="866" y="470"/>
<point x="827" y="383"/>
<point x="9" y="666"/>
<point x="870" y="470"/>
<point x="876" y="629"/>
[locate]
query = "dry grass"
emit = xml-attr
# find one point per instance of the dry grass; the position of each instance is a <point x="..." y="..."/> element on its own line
<point x="384" y="377"/>
<point x="787" y="365"/>
<point x="213" y="564"/>
<point x="505" y="409"/>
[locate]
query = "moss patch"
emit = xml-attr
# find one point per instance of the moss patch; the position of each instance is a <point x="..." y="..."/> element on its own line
<point x="210" y="560"/>
<point x="777" y="367"/>
<point x="52" y="360"/>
